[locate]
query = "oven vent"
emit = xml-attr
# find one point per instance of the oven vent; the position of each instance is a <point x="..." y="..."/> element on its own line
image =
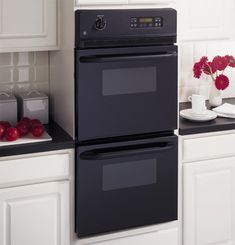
<point x="126" y="42"/>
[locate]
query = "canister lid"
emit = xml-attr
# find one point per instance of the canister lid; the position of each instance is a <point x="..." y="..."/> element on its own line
<point x="7" y="97"/>
<point x="33" y="95"/>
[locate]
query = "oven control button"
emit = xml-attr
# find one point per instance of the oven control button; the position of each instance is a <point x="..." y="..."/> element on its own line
<point x="100" y="23"/>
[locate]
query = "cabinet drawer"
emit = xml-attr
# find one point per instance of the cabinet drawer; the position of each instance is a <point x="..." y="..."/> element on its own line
<point x="34" y="169"/>
<point x="163" y="237"/>
<point x="208" y="147"/>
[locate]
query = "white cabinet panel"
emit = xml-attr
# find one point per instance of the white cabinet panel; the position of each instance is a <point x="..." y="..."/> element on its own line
<point x="163" y="2"/>
<point x="208" y="147"/>
<point x="164" y="237"/>
<point x="31" y="169"/>
<point x="209" y="196"/>
<point x="100" y="2"/>
<point x="28" y="25"/>
<point x="35" y="215"/>
<point x="210" y="19"/>
<point x="13" y="23"/>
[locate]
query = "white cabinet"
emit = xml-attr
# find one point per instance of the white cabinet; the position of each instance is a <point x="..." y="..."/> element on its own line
<point x="201" y="20"/>
<point x="28" y="25"/>
<point x="35" y="215"/>
<point x="209" y="188"/>
<point x="209" y="197"/>
<point x="35" y="198"/>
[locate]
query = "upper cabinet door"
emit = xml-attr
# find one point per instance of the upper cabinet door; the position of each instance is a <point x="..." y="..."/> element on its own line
<point x="202" y="20"/>
<point x="28" y="25"/>
<point x="100" y="2"/>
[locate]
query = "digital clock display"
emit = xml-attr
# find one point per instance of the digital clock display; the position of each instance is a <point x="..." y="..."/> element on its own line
<point x="146" y="20"/>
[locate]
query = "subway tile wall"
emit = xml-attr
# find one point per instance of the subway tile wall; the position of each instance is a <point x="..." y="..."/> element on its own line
<point x="24" y="71"/>
<point x="189" y="53"/>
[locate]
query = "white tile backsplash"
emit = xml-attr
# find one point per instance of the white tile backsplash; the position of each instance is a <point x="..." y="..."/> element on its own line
<point x="23" y="70"/>
<point x="5" y="59"/>
<point x="189" y="53"/>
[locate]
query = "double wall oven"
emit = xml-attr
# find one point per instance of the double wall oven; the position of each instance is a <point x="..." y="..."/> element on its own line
<point x="126" y="113"/>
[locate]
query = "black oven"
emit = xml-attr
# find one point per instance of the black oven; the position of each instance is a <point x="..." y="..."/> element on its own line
<point x="125" y="185"/>
<point x="126" y="91"/>
<point x="126" y="113"/>
<point x="126" y="72"/>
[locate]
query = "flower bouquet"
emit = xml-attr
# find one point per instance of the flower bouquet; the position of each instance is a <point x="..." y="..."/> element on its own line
<point x="215" y="69"/>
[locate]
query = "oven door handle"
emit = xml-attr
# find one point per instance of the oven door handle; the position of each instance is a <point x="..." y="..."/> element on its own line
<point x="117" y="58"/>
<point x="121" y="153"/>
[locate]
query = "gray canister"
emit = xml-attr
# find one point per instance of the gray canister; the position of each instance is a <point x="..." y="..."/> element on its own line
<point x="8" y="108"/>
<point x="34" y="104"/>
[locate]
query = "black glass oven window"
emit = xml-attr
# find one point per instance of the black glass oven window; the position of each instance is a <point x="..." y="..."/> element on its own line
<point x="129" y="80"/>
<point x="129" y="174"/>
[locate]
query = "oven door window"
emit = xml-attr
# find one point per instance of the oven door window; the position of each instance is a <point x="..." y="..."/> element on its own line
<point x="129" y="174"/>
<point x="129" y="80"/>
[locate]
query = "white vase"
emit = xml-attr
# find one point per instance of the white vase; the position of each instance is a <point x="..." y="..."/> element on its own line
<point x="215" y="98"/>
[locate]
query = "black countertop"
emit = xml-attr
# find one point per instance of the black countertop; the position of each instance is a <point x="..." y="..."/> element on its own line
<point x="60" y="140"/>
<point x="187" y="127"/>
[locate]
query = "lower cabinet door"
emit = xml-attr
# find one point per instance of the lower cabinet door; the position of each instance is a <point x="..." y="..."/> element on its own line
<point x="35" y="214"/>
<point x="209" y="202"/>
<point x="163" y="237"/>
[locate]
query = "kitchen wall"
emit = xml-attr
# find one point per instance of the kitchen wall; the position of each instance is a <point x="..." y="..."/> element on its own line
<point x="29" y="70"/>
<point x="189" y="53"/>
<point x="24" y="71"/>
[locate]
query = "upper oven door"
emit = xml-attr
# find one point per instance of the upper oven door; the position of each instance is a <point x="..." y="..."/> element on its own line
<point x="126" y="91"/>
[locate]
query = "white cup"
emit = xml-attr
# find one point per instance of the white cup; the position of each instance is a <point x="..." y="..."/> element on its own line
<point x="198" y="103"/>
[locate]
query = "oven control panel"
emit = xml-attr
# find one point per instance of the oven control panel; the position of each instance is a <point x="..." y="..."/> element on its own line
<point x="146" y="22"/>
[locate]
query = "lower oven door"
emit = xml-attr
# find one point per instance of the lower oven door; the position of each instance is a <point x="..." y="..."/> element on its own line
<point x="126" y="91"/>
<point x="126" y="185"/>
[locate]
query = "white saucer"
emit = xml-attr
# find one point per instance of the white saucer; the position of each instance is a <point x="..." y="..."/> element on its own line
<point x="188" y="114"/>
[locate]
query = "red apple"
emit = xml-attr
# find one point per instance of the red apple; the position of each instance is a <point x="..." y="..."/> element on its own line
<point x="5" y="124"/>
<point x="35" y="121"/>
<point x="2" y="130"/>
<point x="12" y="134"/>
<point x="38" y="130"/>
<point x="26" y="120"/>
<point x="23" y="128"/>
<point x="3" y="127"/>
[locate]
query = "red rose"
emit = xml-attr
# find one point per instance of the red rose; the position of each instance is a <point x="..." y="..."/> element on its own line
<point x="220" y="63"/>
<point x="209" y="69"/>
<point x="230" y="60"/>
<point x="197" y="70"/>
<point x="221" y="82"/>
<point x="203" y="61"/>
